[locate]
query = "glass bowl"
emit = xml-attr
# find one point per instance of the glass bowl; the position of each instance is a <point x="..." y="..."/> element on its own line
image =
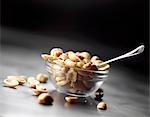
<point x="75" y="81"/>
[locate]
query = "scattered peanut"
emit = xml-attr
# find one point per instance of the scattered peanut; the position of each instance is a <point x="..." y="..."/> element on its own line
<point x="20" y="79"/>
<point x="39" y="89"/>
<point x="102" y="106"/>
<point x="45" y="99"/>
<point x="42" y="78"/>
<point x="12" y="83"/>
<point x="32" y="82"/>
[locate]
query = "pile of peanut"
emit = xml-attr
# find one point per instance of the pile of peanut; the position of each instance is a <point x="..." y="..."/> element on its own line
<point x="66" y="68"/>
<point x="33" y="83"/>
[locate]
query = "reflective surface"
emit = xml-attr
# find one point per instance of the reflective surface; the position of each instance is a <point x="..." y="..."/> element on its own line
<point x="125" y="96"/>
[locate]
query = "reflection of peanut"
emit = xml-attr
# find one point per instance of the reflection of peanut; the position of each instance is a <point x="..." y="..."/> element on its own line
<point x="71" y="99"/>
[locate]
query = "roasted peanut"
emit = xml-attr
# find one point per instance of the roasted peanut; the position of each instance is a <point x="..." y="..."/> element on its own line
<point x="72" y="56"/>
<point x="32" y="82"/>
<point x="71" y="76"/>
<point x="56" y="52"/>
<point x="63" y="56"/>
<point x="94" y="58"/>
<point x="85" y="55"/>
<point x="103" y="67"/>
<point x="79" y="64"/>
<point x="45" y="99"/>
<point x="102" y="106"/>
<point x="70" y="63"/>
<point x="42" y="78"/>
<point x="59" y="62"/>
<point x="62" y="83"/>
<point x="87" y="65"/>
<point x="58" y="79"/>
<point x="20" y="79"/>
<point x="39" y="89"/>
<point x="12" y="83"/>
<point x="86" y="61"/>
<point x="97" y="62"/>
<point x="46" y="57"/>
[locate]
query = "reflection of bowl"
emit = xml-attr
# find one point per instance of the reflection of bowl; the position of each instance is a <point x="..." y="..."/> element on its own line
<point x="75" y="81"/>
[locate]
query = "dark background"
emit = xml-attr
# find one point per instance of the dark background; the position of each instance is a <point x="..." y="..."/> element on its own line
<point x="118" y="24"/>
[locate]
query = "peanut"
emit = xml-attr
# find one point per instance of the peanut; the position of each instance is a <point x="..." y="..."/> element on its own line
<point x="63" y="56"/>
<point x="102" y="106"/>
<point x="72" y="56"/>
<point x="56" y="52"/>
<point x="58" y="79"/>
<point x="20" y="79"/>
<point x="12" y="83"/>
<point x="79" y="64"/>
<point x="42" y="78"/>
<point x="70" y="63"/>
<point x="62" y="83"/>
<point x="32" y="82"/>
<point x="45" y="99"/>
<point x="103" y="67"/>
<point x="39" y="89"/>
<point x="85" y="55"/>
<point x="94" y="58"/>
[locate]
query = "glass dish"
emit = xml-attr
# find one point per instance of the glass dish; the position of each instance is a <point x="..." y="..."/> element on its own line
<point x="75" y="81"/>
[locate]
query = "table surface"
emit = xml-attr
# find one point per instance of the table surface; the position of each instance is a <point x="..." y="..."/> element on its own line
<point x="124" y="96"/>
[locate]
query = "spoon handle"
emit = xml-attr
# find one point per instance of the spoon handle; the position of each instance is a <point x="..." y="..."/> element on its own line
<point x="136" y="51"/>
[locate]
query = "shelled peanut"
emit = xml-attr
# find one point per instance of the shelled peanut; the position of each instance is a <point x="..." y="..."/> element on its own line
<point x="67" y="68"/>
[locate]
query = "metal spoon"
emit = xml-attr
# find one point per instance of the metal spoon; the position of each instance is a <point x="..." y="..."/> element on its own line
<point x="136" y="51"/>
